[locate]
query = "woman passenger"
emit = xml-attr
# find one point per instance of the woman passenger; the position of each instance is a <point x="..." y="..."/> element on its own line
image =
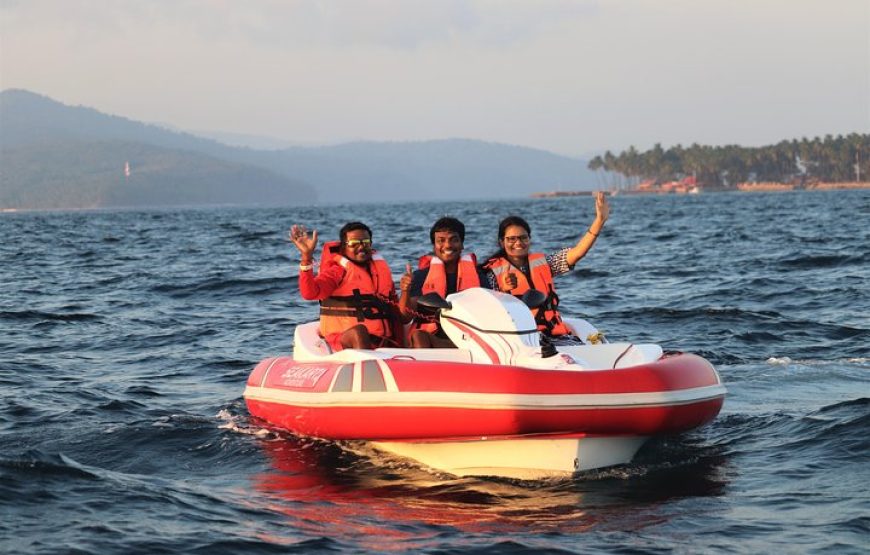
<point x="513" y="269"/>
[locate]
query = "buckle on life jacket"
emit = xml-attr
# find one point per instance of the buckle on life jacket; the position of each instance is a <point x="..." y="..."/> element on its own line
<point x="359" y="306"/>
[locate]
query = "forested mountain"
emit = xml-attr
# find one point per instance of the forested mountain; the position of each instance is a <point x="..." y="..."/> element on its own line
<point x="49" y="148"/>
<point x="91" y="174"/>
<point x="828" y="159"/>
<point x="57" y="156"/>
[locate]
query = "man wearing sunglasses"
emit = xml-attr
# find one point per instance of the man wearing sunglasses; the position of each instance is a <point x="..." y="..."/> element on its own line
<point x="354" y="286"/>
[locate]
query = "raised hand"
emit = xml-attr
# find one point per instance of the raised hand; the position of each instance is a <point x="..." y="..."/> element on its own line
<point x="305" y="242"/>
<point x="602" y="208"/>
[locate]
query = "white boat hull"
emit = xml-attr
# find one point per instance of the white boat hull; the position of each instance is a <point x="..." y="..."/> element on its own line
<point x="524" y="459"/>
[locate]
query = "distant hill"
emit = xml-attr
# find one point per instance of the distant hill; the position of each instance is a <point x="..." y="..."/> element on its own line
<point x="442" y="169"/>
<point x="246" y="140"/>
<point x="52" y="149"/>
<point x="91" y="174"/>
<point x="57" y="156"/>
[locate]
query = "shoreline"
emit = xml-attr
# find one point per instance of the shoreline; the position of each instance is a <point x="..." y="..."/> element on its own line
<point x="764" y="187"/>
<point x="847" y="186"/>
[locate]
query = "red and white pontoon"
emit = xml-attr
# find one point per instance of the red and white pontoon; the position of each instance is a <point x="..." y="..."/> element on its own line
<point x="499" y="404"/>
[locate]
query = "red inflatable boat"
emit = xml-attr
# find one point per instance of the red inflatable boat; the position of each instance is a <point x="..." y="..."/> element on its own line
<point x="497" y="405"/>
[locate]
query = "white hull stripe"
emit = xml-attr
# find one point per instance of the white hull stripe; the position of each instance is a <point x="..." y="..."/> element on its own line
<point x="268" y="369"/>
<point x="488" y="401"/>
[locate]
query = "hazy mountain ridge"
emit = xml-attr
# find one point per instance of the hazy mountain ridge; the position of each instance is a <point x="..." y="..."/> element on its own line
<point x="58" y="156"/>
<point x="31" y="125"/>
<point x="28" y="118"/>
<point x="448" y="169"/>
<point x="90" y="174"/>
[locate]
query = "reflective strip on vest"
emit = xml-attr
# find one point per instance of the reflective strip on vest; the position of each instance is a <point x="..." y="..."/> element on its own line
<point x="499" y="270"/>
<point x="436" y="278"/>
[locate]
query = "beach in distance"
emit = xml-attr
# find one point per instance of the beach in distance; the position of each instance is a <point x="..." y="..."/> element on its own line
<point x="127" y="337"/>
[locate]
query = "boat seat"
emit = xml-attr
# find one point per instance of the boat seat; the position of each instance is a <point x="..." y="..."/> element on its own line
<point x="309" y="346"/>
<point x="307" y="343"/>
<point x="447" y="355"/>
<point x="607" y="356"/>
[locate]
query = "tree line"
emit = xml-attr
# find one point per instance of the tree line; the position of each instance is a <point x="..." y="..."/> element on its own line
<point x="830" y="159"/>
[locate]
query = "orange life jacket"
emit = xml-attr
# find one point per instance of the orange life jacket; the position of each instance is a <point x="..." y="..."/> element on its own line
<point x="436" y="281"/>
<point x="359" y="298"/>
<point x="547" y="315"/>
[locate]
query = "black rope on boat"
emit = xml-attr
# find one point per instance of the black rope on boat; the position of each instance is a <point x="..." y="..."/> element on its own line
<point x="615" y="362"/>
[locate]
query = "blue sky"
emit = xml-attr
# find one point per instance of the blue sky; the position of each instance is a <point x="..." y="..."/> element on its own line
<point x="573" y="77"/>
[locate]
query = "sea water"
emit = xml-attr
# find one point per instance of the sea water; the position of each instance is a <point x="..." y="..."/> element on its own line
<point x="126" y="338"/>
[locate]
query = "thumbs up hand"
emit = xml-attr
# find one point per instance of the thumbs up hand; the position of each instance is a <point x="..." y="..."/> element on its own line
<point x="510" y="280"/>
<point x="405" y="282"/>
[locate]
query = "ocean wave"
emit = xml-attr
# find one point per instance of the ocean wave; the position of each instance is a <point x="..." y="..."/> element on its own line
<point x="836" y="432"/>
<point x="240" y="286"/>
<point x="121" y="405"/>
<point x="257" y="236"/>
<point x="38" y="315"/>
<point x="35" y="463"/>
<point x="813" y="262"/>
<point x="722" y="357"/>
<point x="739" y="434"/>
<point x="142" y="390"/>
<point x="858" y="525"/>
<point x="143" y="442"/>
<point x="155" y="336"/>
<point x="273" y="545"/>
<point x="678" y="314"/>
<point x="859" y="403"/>
<point x="20" y="410"/>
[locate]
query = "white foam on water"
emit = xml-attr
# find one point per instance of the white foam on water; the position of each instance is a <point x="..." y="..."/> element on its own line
<point x="782" y="361"/>
<point x="234" y="423"/>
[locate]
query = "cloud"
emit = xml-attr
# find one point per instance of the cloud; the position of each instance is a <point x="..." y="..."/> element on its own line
<point x="306" y="24"/>
<point x="571" y="76"/>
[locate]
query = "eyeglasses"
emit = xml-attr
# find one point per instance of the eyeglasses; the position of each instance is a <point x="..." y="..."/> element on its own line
<point x="517" y="239"/>
<point x="356" y="242"/>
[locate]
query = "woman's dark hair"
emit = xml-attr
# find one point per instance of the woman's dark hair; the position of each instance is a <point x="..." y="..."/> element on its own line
<point x="502" y="229"/>
<point x="352" y="226"/>
<point x="447" y="223"/>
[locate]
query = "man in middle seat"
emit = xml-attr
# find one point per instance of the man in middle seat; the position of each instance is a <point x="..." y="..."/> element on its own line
<point x="448" y="271"/>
